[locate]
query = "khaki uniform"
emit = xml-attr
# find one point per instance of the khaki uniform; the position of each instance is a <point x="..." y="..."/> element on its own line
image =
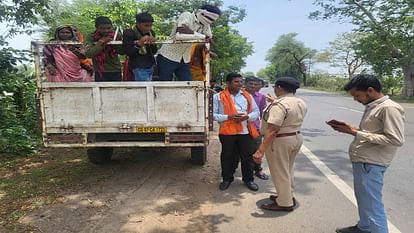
<point x="287" y="111"/>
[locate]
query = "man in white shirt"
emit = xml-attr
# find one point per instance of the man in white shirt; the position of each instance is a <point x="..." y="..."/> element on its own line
<point x="174" y="58"/>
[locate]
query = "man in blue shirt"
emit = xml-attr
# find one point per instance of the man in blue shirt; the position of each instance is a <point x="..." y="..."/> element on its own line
<point x="236" y="110"/>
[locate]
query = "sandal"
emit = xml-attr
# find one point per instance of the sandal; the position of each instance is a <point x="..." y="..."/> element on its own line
<point x="261" y="175"/>
<point x="273" y="198"/>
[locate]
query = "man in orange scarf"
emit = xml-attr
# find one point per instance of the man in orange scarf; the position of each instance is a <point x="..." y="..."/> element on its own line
<point x="236" y="110"/>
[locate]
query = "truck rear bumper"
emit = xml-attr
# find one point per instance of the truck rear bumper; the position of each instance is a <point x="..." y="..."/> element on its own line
<point x="188" y="139"/>
<point x="125" y="144"/>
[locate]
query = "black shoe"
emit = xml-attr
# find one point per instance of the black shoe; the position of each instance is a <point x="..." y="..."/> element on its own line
<point x="224" y="185"/>
<point x="251" y="185"/>
<point x="351" y="229"/>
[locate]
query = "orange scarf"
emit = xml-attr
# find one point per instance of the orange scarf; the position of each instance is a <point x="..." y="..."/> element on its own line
<point x="230" y="127"/>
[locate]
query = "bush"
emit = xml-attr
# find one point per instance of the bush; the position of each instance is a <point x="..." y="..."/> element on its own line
<point x="19" y="133"/>
<point x="392" y="85"/>
<point x="327" y="82"/>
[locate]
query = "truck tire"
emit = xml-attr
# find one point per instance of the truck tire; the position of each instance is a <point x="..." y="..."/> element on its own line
<point x="198" y="155"/>
<point x="100" y="155"/>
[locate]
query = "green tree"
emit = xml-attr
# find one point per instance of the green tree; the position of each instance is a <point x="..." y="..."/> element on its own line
<point x="231" y="48"/>
<point x="342" y="52"/>
<point x="388" y="39"/>
<point x="268" y="73"/>
<point x="248" y="73"/>
<point x="82" y="13"/>
<point x="18" y="130"/>
<point x="20" y="15"/>
<point x="289" y="56"/>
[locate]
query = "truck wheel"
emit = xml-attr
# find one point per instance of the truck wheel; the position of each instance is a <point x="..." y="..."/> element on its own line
<point x="100" y="155"/>
<point x="199" y="155"/>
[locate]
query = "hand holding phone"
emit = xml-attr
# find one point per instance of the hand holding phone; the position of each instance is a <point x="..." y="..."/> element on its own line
<point x="342" y="127"/>
<point x="240" y="117"/>
<point x="335" y="122"/>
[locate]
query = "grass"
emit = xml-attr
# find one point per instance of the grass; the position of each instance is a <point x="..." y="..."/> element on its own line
<point x="28" y="183"/>
<point x="396" y="98"/>
<point x="402" y="99"/>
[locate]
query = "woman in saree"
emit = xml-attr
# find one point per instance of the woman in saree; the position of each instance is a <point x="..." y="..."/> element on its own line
<point x="67" y="62"/>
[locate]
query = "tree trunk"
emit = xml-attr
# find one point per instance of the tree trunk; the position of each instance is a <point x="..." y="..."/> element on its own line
<point x="408" y="84"/>
<point x="305" y="82"/>
<point x="350" y="73"/>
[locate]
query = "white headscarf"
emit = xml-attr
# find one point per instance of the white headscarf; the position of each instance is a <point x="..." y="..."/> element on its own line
<point x="206" y="17"/>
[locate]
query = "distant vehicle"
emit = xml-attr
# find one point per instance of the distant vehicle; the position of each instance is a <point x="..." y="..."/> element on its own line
<point x="266" y="83"/>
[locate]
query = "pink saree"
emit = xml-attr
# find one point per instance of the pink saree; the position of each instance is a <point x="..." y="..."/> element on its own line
<point x="68" y="68"/>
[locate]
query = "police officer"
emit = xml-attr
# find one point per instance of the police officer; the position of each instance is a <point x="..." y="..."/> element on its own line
<point x="282" y="121"/>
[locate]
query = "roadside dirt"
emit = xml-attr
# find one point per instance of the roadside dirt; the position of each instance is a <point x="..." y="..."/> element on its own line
<point x="143" y="190"/>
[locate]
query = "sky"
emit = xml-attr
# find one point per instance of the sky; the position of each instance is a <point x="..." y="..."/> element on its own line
<point x="266" y="20"/>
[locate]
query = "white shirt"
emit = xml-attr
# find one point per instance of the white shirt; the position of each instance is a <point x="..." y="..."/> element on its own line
<point x="176" y="52"/>
<point x="240" y="102"/>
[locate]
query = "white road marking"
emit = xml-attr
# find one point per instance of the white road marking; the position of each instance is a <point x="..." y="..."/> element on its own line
<point x="350" y="109"/>
<point x="338" y="182"/>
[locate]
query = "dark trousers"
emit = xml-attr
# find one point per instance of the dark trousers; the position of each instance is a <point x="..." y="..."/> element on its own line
<point x="108" y="76"/>
<point x="257" y="167"/>
<point x="166" y="69"/>
<point x="234" y="147"/>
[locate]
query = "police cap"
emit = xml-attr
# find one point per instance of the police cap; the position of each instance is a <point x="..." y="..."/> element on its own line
<point x="288" y="81"/>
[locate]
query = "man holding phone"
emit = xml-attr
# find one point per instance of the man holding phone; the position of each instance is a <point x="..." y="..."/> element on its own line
<point x="375" y="143"/>
<point x="236" y="110"/>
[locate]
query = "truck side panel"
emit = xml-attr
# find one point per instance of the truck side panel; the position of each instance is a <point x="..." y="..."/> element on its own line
<point x="86" y="114"/>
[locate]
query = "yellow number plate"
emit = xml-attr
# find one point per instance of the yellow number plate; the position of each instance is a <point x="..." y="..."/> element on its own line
<point x="150" y="129"/>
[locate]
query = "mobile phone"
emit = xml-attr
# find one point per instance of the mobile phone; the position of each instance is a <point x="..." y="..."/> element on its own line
<point x="335" y="122"/>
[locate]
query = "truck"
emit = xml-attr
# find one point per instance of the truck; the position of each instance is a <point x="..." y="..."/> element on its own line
<point x="101" y="116"/>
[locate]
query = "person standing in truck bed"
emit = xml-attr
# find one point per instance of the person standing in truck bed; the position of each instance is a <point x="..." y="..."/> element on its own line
<point x="175" y="58"/>
<point x="105" y="57"/>
<point x="139" y="45"/>
<point x="63" y="62"/>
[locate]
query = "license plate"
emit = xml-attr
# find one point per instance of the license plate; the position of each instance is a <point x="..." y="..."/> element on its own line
<point x="150" y="129"/>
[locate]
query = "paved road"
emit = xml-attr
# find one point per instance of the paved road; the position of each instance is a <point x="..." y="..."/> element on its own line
<point x="155" y="191"/>
<point x="331" y="147"/>
<point x="325" y="203"/>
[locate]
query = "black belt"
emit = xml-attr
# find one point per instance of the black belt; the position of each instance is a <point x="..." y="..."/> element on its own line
<point x="287" y="134"/>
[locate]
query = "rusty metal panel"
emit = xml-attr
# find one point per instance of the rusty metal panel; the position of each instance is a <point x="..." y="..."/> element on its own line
<point x="126" y="137"/>
<point x="65" y="106"/>
<point x="65" y="138"/>
<point x="184" y="105"/>
<point x="116" y="128"/>
<point x="187" y="137"/>
<point x="124" y="104"/>
<point x="120" y="109"/>
<point x="128" y="144"/>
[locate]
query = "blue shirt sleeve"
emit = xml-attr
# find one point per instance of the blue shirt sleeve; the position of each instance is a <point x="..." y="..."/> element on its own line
<point x="218" y="109"/>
